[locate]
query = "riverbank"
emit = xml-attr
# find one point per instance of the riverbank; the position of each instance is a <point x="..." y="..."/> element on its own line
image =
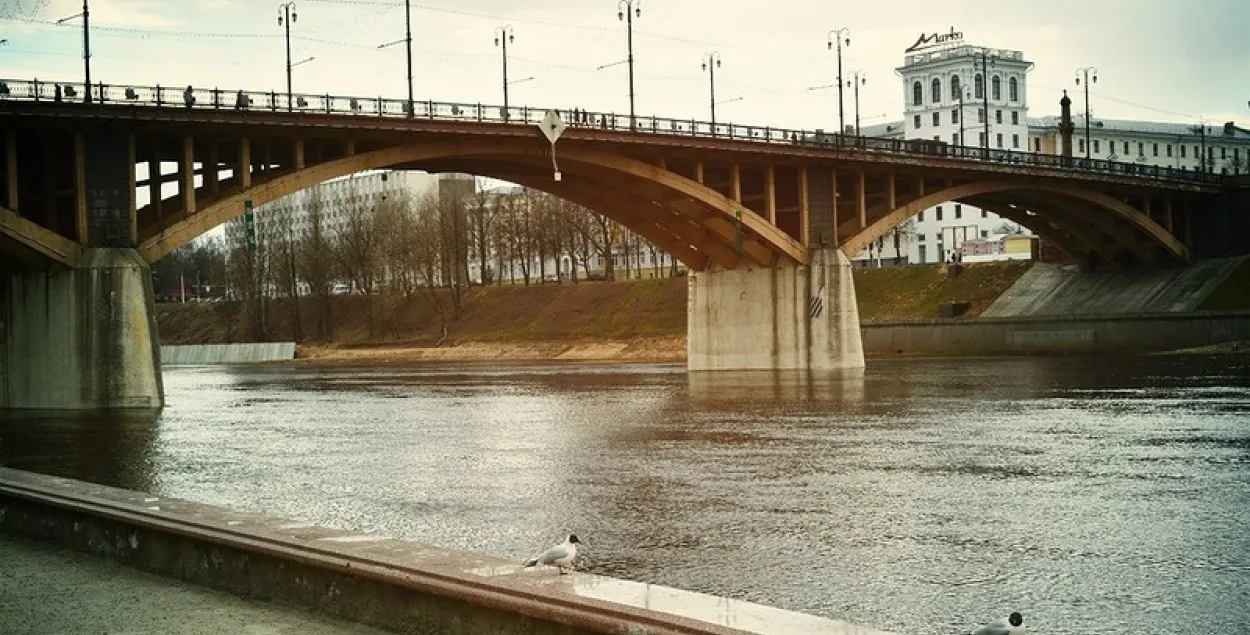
<point x="641" y="350"/>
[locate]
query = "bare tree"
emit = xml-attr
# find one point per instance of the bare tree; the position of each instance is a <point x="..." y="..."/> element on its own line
<point x="481" y="215"/>
<point x="315" y="267"/>
<point x="355" y="249"/>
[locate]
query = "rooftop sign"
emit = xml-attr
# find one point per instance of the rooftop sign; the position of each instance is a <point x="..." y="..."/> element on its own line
<point x="936" y="39"/>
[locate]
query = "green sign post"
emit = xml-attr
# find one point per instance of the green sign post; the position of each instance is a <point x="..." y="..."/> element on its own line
<point x="249" y="221"/>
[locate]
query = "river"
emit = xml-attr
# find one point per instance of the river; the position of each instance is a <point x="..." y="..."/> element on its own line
<point x="920" y="496"/>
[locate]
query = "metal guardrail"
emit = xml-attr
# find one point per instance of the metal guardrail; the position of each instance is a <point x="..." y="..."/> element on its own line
<point x="272" y="101"/>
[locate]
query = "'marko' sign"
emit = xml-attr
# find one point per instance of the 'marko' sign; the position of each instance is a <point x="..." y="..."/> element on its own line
<point x="936" y="39"/>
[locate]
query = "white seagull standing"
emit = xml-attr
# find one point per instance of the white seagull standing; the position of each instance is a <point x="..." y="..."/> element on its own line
<point x="559" y="556"/>
<point x="1010" y="625"/>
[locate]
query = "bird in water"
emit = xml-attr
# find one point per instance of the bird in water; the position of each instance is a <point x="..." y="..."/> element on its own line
<point x="1010" y="625"/>
<point x="559" y="556"/>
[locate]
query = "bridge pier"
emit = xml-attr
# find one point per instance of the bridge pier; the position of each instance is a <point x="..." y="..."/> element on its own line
<point x="785" y="317"/>
<point x="81" y="337"/>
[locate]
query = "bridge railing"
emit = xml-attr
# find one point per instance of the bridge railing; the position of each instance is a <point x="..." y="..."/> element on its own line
<point x="326" y="104"/>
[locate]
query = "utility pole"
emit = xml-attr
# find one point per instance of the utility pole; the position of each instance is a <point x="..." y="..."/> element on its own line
<point x="857" y="80"/>
<point x="985" y="96"/>
<point x="836" y="37"/>
<point x="503" y="35"/>
<point x="711" y="62"/>
<point x="627" y="10"/>
<point x="1086" y="73"/>
<point x="409" y="109"/>
<point x="86" y="47"/>
<point x="287" y="8"/>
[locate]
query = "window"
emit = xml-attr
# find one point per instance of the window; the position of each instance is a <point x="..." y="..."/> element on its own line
<point x="1015" y="117"/>
<point x="996" y="88"/>
<point x="921" y="253"/>
<point x="1223" y="153"/>
<point x="1169" y="149"/>
<point x="939" y="213"/>
<point x="999" y="138"/>
<point x="1141" y="149"/>
<point x="937" y="118"/>
<point x="978" y="86"/>
<point x="981" y="139"/>
<point x="985" y="214"/>
<point x="998" y="116"/>
<point x="936" y="93"/>
<point x="1015" y="141"/>
<point x="985" y="234"/>
<point x="1197" y="153"/>
<point x="916" y="120"/>
<point x="919" y="238"/>
<point x="917" y="94"/>
<point x="955" y="88"/>
<point x="937" y="137"/>
<point x="959" y="211"/>
<point x="1182" y="151"/>
<point x="1096" y="150"/>
<point x="1126" y="148"/>
<point x="1154" y="149"/>
<point x="920" y="219"/>
<point x="1013" y="89"/>
<point x="1080" y="146"/>
<point x="955" y="138"/>
<point x="980" y="115"/>
<point x="955" y="116"/>
<point x="1037" y="144"/>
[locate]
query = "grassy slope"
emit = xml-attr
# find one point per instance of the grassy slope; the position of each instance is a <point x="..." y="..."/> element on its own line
<point x="588" y="311"/>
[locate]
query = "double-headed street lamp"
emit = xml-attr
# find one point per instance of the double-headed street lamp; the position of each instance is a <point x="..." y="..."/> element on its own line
<point x="1090" y="74"/>
<point x="711" y="61"/>
<point x="836" y="38"/>
<point x="857" y="80"/>
<point x="627" y="10"/>
<point x="287" y="15"/>
<point x="503" y="35"/>
<point x="408" y="40"/>
<point x="86" y="47"/>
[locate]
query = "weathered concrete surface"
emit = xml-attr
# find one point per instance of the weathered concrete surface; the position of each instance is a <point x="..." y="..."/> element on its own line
<point x="396" y="585"/>
<point x="82" y="338"/>
<point x="48" y="590"/>
<point x="1050" y="289"/>
<point x="248" y="353"/>
<point x="1056" y="335"/>
<point x="785" y="317"/>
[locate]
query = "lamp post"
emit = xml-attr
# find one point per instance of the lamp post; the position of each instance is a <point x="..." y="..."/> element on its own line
<point x="287" y="15"/>
<point x="1201" y="131"/>
<point x="86" y="47"/>
<point x="503" y="35"/>
<point x="1090" y="74"/>
<point x="836" y="37"/>
<point x="711" y="62"/>
<point x="985" y="93"/>
<point x="408" y="40"/>
<point x="627" y="10"/>
<point x="857" y="80"/>
<point x="963" y="143"/>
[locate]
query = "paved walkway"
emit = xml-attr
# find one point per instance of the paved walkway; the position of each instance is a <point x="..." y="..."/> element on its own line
<point x="51" y="591"/>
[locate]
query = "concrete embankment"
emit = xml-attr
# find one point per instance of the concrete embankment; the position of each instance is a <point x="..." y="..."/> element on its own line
<point x="396" y="585"/>
<point x="227" y="353"/>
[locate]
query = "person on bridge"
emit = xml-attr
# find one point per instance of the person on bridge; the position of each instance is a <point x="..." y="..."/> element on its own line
<point x="188" y="96"/>
<point x="240" y="101"/>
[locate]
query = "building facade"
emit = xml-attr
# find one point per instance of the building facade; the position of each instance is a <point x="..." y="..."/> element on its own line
<point x="946" y="88"/>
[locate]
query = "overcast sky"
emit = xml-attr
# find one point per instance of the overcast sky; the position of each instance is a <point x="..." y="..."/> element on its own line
<point x="1161" y="60"/>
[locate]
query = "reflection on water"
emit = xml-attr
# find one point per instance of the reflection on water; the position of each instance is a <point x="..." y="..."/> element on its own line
<point x="919" y="496"/>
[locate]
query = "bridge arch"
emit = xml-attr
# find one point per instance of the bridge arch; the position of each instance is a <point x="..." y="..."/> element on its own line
<point x="1048" y="198"/>
<point x="703" y="233"/>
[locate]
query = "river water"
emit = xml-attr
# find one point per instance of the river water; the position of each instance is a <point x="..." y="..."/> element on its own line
<point x="920" y="496"/>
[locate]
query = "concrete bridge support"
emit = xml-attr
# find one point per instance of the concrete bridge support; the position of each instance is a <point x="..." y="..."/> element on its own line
<point x="81" y="337"/>
<point x="786" y="317"/>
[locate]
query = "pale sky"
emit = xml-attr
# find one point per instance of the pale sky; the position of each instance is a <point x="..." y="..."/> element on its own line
<point x="1157" y="59"/>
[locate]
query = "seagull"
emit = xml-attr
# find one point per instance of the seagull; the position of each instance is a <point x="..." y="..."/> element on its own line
<point x="1010" y="625"/>
<point x="560" y="556"/>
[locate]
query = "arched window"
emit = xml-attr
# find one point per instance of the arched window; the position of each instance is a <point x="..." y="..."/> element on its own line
<point x="978" y="86"/>
<point x="955" y="88"/>
<point x="996" y="88"/>
<point x="917" y="94"/>
<point x="937" y="90"/>
<point x="1013" y="89"/>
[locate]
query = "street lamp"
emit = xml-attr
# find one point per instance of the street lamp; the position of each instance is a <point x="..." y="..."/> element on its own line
<point x="963" y="143"/>
<point x="711" y="62"/>
<point x="503" y="35"/>
<point x="857" y="81"/>
<point x="287" y="9"/>
<point x="627" y="10"/>
<point x="86" y="47"/>
<point x="836" y="37"/>
<point x="408" y="40"/>
<point x="1090" y="75"/>
<point x="986" y="62"/>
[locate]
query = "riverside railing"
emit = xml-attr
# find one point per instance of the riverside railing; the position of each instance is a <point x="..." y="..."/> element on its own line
<point x="326" y="104"/>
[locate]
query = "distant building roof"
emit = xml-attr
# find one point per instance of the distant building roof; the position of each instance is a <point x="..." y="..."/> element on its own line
<point x="1128" y="126"/>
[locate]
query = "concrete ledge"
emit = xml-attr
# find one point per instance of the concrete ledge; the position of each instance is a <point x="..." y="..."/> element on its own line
<point x="248" y="353"/>
<point x="397" y="585"/>
<point x="1141" y="333"/>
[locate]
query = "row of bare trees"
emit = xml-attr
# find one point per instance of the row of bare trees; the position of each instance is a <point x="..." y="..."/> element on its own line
<point x="309" y="251"/>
